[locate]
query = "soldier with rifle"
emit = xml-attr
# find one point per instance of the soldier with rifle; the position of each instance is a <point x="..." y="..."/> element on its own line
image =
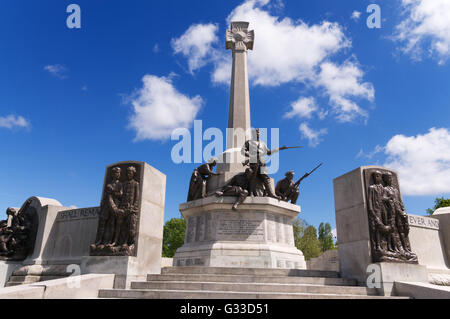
<point x="287" y="190"/>
<point x="255" y="150"/>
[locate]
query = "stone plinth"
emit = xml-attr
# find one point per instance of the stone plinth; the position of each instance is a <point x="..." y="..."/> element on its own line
<point x="258" y="235"/>
<point x="443" y="215"/>
<point x="355" y="253"/>
<point x="64" y="235"/>
<point x="427" y="242"/>
<point x="388" y="273"/>
<point x="147" y="259"/>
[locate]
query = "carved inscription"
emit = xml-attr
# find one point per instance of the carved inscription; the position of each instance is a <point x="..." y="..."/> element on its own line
<point x="424" y="222"/>
<point x="241" y="228"/>
<point x="78" y="214"/>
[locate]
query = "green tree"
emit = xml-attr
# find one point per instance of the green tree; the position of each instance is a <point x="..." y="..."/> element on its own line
<point x="325" y="237"/>
<point x="299" y="226"/>
<point x="438" y="203"/>
<point x="173" y="236"/>
<point x="309" y="244"/>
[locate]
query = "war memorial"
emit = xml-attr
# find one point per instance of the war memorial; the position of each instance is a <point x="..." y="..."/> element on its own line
<point x="239" y="241"/>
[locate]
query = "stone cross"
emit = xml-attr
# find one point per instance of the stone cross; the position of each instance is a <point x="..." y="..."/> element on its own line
<point x="239" y="40"/>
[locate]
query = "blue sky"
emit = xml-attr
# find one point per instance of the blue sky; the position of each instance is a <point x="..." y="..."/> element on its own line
<point x="73" y="101"/>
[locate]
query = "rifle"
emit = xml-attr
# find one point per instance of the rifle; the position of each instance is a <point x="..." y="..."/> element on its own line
<point x="306" y="175"/>
<point x="247" y="162"/>
<point x="292" y="147"/>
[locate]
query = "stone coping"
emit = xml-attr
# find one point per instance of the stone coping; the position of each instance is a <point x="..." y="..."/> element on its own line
<point x="212" y="203"/>
<point x="442" y="211"/>
<point x="240" y="246"/>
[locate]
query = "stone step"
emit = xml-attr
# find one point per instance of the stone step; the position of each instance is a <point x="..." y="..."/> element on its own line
<point x="195" y="294"/>
<point x="250" y="271"/>
<point x="254" y="279"/>
<point x="22" y="280"/>
<point x="252" y="287"/>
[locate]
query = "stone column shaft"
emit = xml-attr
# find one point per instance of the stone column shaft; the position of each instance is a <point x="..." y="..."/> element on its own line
<point x="239" y="112"/>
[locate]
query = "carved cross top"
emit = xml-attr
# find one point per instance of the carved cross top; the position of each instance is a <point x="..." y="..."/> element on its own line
<point x="239" y="38"/>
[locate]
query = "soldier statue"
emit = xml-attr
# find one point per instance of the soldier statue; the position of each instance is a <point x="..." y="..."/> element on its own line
<point x="237" y="186"/>
<point x="199" y="179"/>
<point x="109" y="208"/>
<point x="399" y="240"/>
<point x="286" y="189"/>
<point x="255" y="150"/>
<point x="126" y="217"/>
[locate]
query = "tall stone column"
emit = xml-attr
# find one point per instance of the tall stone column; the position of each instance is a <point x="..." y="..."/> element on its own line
<point x="239" y="40"/>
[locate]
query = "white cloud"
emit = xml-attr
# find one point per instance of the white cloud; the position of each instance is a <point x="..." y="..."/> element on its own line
<point x="13" y="121"/>
<point x="378" y="149"/>
<point x="422" y="162"/>
<point x="426" y="28"/>
<point x="159" y="108"/>
<point x="196" y="45"/>
<point x="313" y="136"/>
<point x="356" y="15"/>
<point x="57" y="70"/>
<point x="334" y="233"/>
<point x="287" y="51"/>
<point x="343" y="83"/>
<point x="304" y="107"/>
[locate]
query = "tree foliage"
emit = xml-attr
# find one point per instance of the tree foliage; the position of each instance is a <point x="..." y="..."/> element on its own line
<point x="299" y="226"/>
<point x="326" y="237"/>
<point x="173" y="236"/>
<point x="309" y="244"/>
<point x="438" y="203"/>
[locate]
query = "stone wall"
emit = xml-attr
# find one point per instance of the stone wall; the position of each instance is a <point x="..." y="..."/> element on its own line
<point x="427" y="241"/>
<point x="329" y="261"/>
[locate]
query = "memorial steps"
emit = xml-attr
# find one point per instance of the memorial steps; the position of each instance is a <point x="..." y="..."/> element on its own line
<point x="23" y="280"/>
<point x="243" y="283"/>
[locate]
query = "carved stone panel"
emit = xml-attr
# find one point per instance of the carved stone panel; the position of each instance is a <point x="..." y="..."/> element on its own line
<point x="120" y="210"/>
<point x="235" y="228"/>
<point x="388" y="220"/>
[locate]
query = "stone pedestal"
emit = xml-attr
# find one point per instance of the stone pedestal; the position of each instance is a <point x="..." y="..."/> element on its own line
<point x="6" y="270"/>
<point x="386" y="274"/>
<point x="355" y="253"/>
<point x="258" y="235"/>
<point x="147" y="258"/>
<point x="443" y="215"/>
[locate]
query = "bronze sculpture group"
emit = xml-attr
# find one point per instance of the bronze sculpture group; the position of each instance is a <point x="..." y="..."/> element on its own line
<point x="17" y="235"/>
<point x="388" y="221"/>
<point x="255" y="181"/>
<point x="116" y="233"/>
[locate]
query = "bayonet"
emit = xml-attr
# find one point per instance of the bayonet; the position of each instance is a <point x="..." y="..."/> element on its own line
<point x="307" y="174"/>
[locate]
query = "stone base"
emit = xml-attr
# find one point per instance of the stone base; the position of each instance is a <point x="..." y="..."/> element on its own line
<point x="387" y="256"/>
<point x="108" y="250"/>
<point x="397" y="272"/>
<point x="242" y="255"/>
<point x="258" y="235"/>
<point x="125" y="269"/>
<point x="6" y="270"/>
